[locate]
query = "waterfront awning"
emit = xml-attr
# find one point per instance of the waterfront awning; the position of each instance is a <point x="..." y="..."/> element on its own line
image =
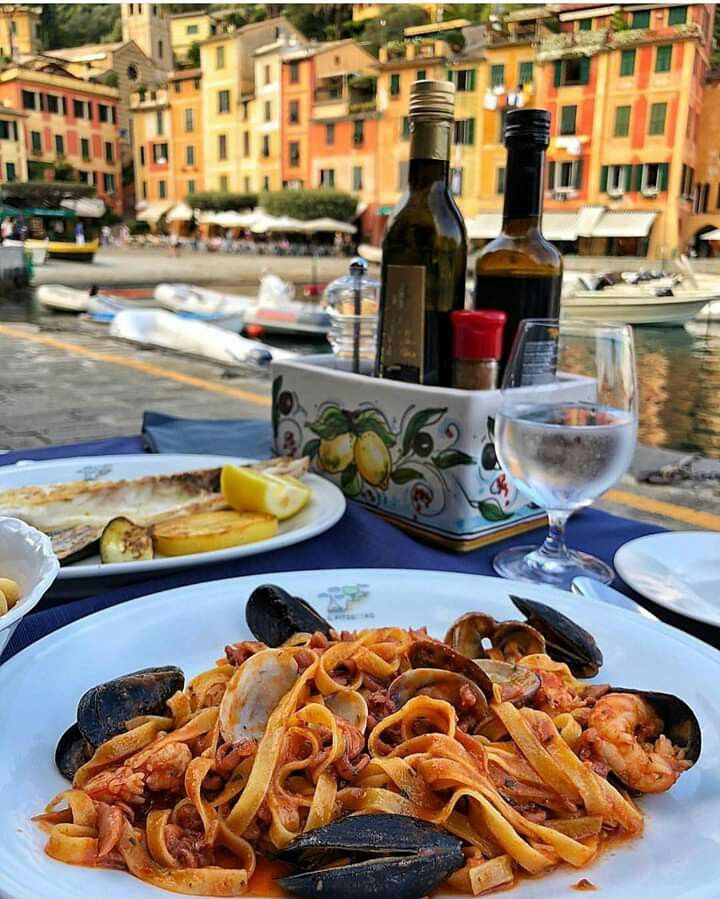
<point x="231" y="218"/>
<point x="85" y="207"/>
<point x="711" y="235"/>
<point x="624" y="224"/>
<point x="264" y="223"/>
<point x="560" y="225"/>
<point x="588" y="217"/>
<point x="329" y="225"/>
<point x="153" y="212"/>
<point x="181" y="212"/>
<point x="484" y="226"/>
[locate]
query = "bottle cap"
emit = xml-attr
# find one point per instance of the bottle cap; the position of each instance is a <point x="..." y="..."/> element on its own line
<point x="432" y="100"/>
<point x="527" y="125"/>
<point x="477" y="334"/>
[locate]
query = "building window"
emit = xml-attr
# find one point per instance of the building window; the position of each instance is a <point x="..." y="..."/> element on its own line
<point x="294" y="72"/>
<point x="617" y="179"/>
<point x="568" y="119"/>
<point x="189" y="121"/>
<point x="160" y="154"/>
<point x="191" y="29"/>
<point x="572" y="71"/>
<point x="627" y="63"/>
<point x="405" y="132"/>
<point x="395" y="84"/>
<point x="10" y="171"/>
<point x="80" y="109"/>
<point x="222" y="146"/>
<point x="53" y="104"/>
<point x="190" y="155"/>
<point x="144" y="190"/>
<point x="663" y="58"/>
<point x="109" y="155"/>
<point x="268" y="111"/>
<point x="267" y="75"/>
<point x="266" y="182"/>
<point x="159" y="122"/>
<point x="191" y="186"/>
<point x="640" y="19"/>
<point x="357" y="177"/>
<point x="5" y="129"/>
<point x="246" y="184"/>
<point x="564" y="177"/>
<point x="104" y="113"/>
<point x="36" y="142"/>
<point x="219" y="57"/>
<point x="246" y="143"/>
<point x="265" y="152"/>
<point x="677" y="15"/>
<point x="294" y="112"/>
<point x="132" y="72"/>
<point x="329" y="134"/>
<point x="109" y="182"/>
<point x="327" y="177"/>
<point x="622" y="121"/>
<point x="160" y="49"/>
<point x="224" y="101"/>
<point x="526" y="73"/>
<point x="294" y="152"/>
<point x="456" y="182"/>
<point x="658" y="112"/>
<point x="497" y="75"/>
<point x="358" y="132"/>
<point x="585" y="25"/>
<point x="464" y="131"/>
<point x="142" y="155"/>
<point x="223" y="182"/>
<point x="463" y="79"/>
<point x="86" y="177"/>
<point x="653" y="177"/>
<point x="28" y="100"/>
<point x="717" y="198"/>
<point x="500" y="180"/>
<point x="196" y="84"/>
<point x="162" y="189"/>
<point x="59" y="145"/>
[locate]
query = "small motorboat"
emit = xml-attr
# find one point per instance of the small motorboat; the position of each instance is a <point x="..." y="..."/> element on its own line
<point x="160" y="328"/>
<point x="63" y="299"/>
<point x="633" y="306"/>
<point x="274" y="309"/>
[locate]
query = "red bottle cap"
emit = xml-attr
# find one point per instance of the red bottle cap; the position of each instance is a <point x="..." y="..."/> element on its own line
<point x="477" y="334"/>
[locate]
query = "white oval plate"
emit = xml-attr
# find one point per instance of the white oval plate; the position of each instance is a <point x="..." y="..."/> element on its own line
<point x="679" y="571"/>
<point x="325" y="508"/>
<point x="189" y="626"/>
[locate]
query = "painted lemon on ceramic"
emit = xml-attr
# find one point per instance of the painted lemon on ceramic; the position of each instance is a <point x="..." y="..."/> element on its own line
<point x="373" y="460"/>
<point x="336" y="454"/>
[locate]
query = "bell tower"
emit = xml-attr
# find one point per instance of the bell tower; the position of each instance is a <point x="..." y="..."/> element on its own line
<point x="148" y="24"/>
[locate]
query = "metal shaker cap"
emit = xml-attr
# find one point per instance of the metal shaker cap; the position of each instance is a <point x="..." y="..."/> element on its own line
<point x="432" y="100"/>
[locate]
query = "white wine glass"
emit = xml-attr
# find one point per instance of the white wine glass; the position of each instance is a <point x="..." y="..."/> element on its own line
<point x="565" y="433"/>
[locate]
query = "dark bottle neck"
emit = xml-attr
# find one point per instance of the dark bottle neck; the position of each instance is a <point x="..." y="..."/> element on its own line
<point x="429" y="154"/>
<point x="522" y="211"/>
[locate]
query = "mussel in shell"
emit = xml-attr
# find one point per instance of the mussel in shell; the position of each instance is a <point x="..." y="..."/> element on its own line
<point x="374" y="856"/>
<point x="434" y="654"/>
<point x="565" y="641"/>
<point x="103" y="711"/>
<point x="274" y="616"/>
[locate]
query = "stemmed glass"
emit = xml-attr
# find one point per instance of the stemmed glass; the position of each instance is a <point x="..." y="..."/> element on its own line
<point x="565" y="433"/>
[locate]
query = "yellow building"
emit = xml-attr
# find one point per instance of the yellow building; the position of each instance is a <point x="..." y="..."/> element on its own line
<point x="188" y="28"/>
<point x="186" y="132"/>
<point x="363" y="11"/>
<point x="703" y="184"/>
<point x="19" y="30"/>
<point x="148" y="24"/>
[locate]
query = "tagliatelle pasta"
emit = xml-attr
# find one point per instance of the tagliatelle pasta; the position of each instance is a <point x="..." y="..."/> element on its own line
<point x="190" y="801"/>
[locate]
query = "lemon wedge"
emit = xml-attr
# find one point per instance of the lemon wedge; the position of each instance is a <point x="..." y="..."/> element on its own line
<point x="248" y="490"/>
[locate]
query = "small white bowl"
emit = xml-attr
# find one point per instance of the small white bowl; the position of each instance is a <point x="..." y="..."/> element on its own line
<point x="27" y="557"/>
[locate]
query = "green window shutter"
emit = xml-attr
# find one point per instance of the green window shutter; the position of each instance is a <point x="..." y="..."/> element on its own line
<point x="450" y="75"/>
<point x="557" y="76"/>
<point x="627" y="63"/>
<point x="637" y="183"/>
<point x="603" y="179"/>
<point x="627" y="180"/>
<point x="641" y="19"/>
<point x="664" y="172"/>
<point x="585" y="24"/>
<point x="526" y="72"/>
<point x="470" y="132"/>
<point x="497" y="75"/>
<point x="663" y="58"/>
<point x="471" y="80"/>
<point x="405" y="127"/>
<point x="677" y="15"/>
<point x="578" y="174"/>
<point x="584" y="70"/>
<point x="551" y="175"/>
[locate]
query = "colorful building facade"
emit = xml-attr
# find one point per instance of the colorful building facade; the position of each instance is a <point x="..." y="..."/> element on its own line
<point x="154" y="152"/>
<point x="186" y="132"/>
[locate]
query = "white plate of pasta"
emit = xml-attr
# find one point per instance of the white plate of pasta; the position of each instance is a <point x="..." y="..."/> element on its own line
<point x="522" y="770"/>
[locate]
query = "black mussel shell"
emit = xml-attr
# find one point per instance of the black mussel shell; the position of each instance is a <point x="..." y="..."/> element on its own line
<point x="565" y="641"/>
<point x="273" y="616"/>
<point x="72" y="752"/>
<point x="103" y="710"/>
<point x="680" y="724"/>
<point x="389" y="855"/>
<point x="434" y="654"/>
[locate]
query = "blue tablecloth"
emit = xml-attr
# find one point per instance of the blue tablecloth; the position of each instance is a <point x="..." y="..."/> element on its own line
<point x="360" y="539"/>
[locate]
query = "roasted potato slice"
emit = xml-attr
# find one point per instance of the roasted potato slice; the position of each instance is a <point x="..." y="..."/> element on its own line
<point x="123" y="541"/>
<point x="208" y="531"/>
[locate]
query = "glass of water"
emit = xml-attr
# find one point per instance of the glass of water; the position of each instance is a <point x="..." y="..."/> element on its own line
<point x="565" y="433"/>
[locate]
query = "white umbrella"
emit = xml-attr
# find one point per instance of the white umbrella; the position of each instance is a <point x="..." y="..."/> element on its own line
<point x="85" y="207"/>
<point x="230" y="218"/>
<point x="264" y="223"/>
<point x="328" y="224"/>
<point x="711" y="235"/>
<point x="180" y="213"/>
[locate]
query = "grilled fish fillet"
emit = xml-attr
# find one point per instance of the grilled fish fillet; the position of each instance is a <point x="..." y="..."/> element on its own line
<point x="92" y="504"/>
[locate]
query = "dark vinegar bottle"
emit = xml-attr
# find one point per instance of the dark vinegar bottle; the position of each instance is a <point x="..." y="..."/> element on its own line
<point x="520" y="272"/>
<point x="424" y="251"/>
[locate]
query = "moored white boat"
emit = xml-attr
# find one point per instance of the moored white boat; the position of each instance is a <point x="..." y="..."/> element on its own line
<point x="633" y="306"/>
<point x="160" y="328"/>
<point x="63" y="299"/>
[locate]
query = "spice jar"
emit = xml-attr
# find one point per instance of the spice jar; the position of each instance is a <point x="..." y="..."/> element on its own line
<point x="352" y="303"/>
<point x="477" y="348"/>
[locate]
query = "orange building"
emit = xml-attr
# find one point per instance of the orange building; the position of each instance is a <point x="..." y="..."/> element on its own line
<point x="68" y="121"/>
<point x="154" y="154"/>
<point x="298" y="89"/>
<point x="703" y="183"/>
<point x="186" y="126"/>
